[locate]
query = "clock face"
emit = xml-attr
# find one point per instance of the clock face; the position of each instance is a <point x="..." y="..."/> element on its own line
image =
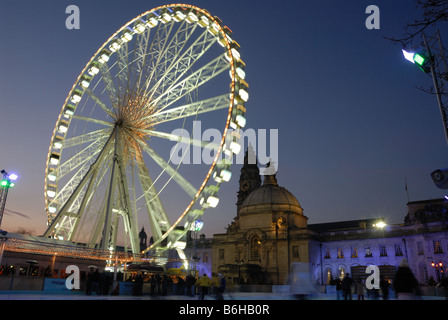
<point x="245" y="186"/>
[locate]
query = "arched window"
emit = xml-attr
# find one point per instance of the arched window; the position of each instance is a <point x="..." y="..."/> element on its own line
<point x="255" y="247"/>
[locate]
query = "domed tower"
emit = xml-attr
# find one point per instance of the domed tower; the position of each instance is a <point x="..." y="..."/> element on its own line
<point x="271" y="203"/>
<point x="268" y="234"/>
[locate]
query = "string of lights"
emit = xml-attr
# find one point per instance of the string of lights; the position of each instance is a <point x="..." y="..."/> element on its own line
<point x="74" y="251"/>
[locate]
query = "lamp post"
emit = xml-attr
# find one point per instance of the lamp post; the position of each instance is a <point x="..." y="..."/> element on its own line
<point x="431" y="59"/>
<point x="437" y="266"/>
<point x="239" y="263"/>
<point x="6" y="183"/>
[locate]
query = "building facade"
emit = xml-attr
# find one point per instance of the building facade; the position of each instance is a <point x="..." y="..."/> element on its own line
<point x="270" y="233"/>
<point x="353" y="245"/>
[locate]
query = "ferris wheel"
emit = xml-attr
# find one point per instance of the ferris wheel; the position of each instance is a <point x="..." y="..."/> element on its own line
<point x="131" y="111"/>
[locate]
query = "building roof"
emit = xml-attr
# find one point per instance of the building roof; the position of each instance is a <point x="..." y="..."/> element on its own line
<point x="344" y="225"/>
<point x="270" y="196"/>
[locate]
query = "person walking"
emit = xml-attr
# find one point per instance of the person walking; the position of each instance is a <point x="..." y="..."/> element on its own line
<point x="338" y="284"/>
<point x="384" y="286"/>
<point x="221" y="288"/>
<point x="347" y="283"/>
<point x="405" y="283"/>
<point x="204" y="283"/>
<point x="93" y="282"/>
<point x="444" y="284"/>
<point x="360" y="289"/>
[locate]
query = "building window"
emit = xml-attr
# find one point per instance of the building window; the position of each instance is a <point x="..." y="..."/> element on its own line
<point x="206" y="257"/>
<point x="327" y="254"/>
<point x="420" y="248"/>
<point x="438" y="247"/>
<point x="340" y="253"/>
<point x="255" y="246"/>
<point x="354" y="252"/>
<point x="398" y="251"/>
<point x="221" y="254"/>
<point x="295" y="251"/>
<point x="383" y="252"/>
<point x="368" y="252"/>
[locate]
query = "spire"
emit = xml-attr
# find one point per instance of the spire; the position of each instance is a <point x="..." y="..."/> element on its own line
<point x="250" y="157"/>
<point x="250" y="176"/>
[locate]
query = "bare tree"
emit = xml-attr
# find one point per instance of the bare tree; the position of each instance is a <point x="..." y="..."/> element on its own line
<point x="434" y="12"/>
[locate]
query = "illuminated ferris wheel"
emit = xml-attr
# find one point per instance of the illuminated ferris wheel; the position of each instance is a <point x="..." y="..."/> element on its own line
<point x="110" y="164"/>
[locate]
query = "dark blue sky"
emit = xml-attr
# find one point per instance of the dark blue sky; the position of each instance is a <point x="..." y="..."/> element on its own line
<point x="352" y="125"/>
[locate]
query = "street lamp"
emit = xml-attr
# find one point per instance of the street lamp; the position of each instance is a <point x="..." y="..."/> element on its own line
<point x="432" y="60"/>
<point x="419" y="57"/>
<point x="437" y="266"/>
<point x="239" y="263"/>
<point x="380" y="224"/>
<point x="7" y="182"/>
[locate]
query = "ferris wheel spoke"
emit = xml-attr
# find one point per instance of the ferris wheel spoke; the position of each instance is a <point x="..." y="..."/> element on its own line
<point x="169" y="49"/>
<point x="171" y="55"/>
<point x="97" y="121"/>
<point x="86" y="137"/>
<point x="156" y="212"/>
<point x="122" y="71"/>
<point x="156" y="48"/>
<point x="184" y="62"/>
<point x="192" y="82"/>
<point x="141" y="55"/>
<point x="176" y="176"/>
<point x="100" y="103"/>
<point x="110" y="87"/>
<point x="191" y="109"/>
<point x="80" y="158"/>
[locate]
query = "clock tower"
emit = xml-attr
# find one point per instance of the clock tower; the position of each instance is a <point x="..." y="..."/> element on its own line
<point x="250" y="177"/>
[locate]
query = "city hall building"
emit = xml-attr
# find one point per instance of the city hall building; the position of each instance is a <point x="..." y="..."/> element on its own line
<point x="270" y="233"/>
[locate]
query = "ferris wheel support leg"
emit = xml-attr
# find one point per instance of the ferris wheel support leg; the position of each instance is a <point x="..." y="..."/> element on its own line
<point x="85" y="201"/>
<point x="183" y="257"/>
<point x="129" y="217"/>
<point x="64" y="210"/>
<point x="105" y="242"/>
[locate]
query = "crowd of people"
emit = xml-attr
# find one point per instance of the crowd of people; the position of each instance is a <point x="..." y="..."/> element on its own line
<point x="159" y="284"/>
<point x="404" y="285"/>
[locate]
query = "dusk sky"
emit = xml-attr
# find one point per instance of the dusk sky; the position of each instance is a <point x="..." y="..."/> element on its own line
<point x="352" y="124"/>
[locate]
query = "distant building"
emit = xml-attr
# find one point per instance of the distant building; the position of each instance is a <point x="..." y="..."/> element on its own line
<point x="270" y="233"/>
